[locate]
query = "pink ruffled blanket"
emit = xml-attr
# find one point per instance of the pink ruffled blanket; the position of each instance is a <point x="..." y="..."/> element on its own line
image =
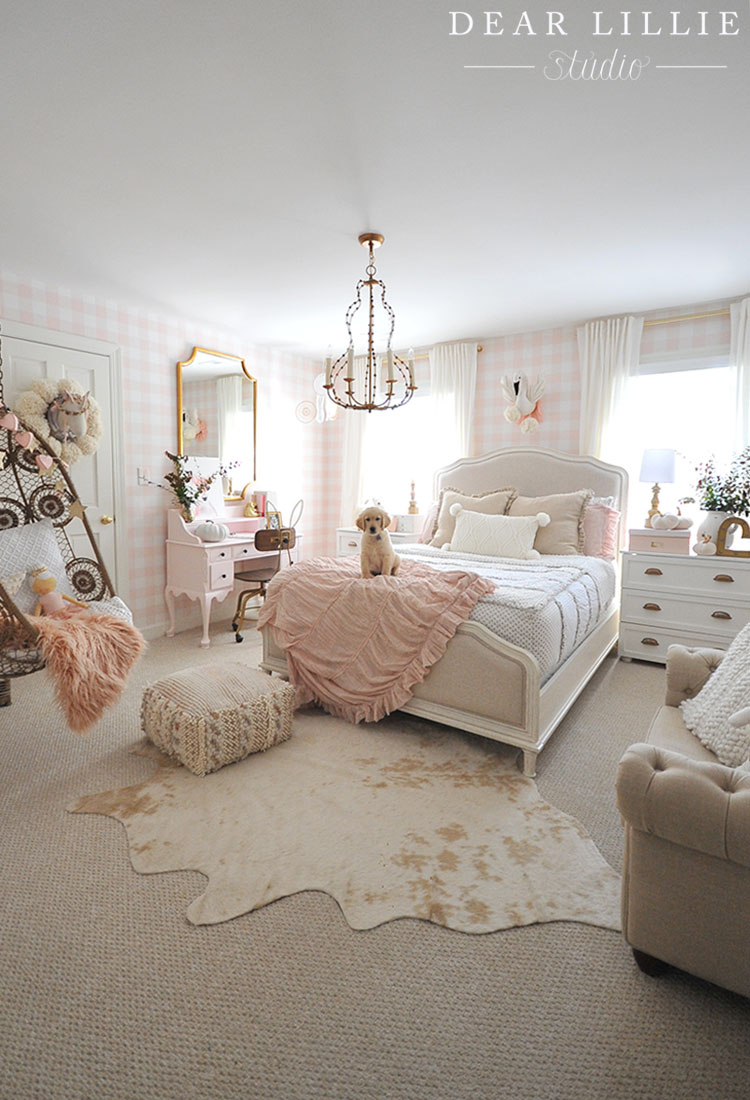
<point x="358" y="647"/>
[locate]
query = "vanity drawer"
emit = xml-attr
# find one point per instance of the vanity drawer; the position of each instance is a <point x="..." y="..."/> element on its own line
<point x="221" y="575"/>
<point x="660" y="610"/>
<point x="219" y="554"/>
<point x="243" y="552"/>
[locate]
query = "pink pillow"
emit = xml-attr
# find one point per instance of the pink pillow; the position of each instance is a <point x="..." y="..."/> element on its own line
<point x="600" y="531"/>
<point x="428" y="527"/>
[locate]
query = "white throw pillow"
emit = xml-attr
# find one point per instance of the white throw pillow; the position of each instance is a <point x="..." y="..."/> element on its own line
<point x="495" y="536"/>
<point x="29" y="547"/>
<point x="725" y="693"/>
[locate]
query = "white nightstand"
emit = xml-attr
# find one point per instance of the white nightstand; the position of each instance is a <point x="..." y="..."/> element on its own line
<point x="675" y="599"/>
<point x="348" y="540"/>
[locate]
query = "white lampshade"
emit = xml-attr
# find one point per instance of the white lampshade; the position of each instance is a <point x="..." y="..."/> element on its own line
<point x="658" y="465"/>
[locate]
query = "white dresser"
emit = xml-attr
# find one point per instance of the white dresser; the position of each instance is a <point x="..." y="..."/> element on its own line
<point x="675" y="599"/>
<point x="348" y="540"/>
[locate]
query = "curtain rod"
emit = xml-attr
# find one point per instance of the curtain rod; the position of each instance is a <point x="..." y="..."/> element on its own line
<point x="687" y="317"/>
<point x="426" y="354"/>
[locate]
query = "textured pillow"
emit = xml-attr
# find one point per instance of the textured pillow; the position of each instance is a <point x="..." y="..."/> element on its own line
<point x="25" y="548"/>
<point x="564" y="535"/>
<point x="725" y="692"/>
<point x="493" y="503"/>
<point x="495" y="536"/>
<point x="600" y="531"/>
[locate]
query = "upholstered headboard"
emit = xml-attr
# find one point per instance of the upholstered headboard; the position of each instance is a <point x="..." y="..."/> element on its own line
<point x="534" y="472"/>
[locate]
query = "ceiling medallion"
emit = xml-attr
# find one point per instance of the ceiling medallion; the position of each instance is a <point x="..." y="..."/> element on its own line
<point x="380" y="380"/>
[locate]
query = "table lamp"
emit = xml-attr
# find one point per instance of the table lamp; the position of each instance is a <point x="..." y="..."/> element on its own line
<point x="657" y="467"/>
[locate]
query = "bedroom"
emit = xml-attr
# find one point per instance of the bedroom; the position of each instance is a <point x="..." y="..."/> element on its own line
<point x="181" y="176"/>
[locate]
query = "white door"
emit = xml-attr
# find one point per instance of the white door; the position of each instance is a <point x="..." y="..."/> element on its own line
<point x="30" y="353"/>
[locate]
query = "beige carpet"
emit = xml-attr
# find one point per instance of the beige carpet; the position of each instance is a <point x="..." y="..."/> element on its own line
<point x="107" y="992"/>
<point x="396" y="819"/>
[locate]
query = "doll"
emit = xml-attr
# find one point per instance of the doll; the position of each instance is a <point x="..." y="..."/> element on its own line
<point x="50" y="601"/>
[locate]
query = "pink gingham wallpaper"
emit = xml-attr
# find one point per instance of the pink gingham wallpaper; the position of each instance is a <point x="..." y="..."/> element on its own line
<point x="297" y="459"/>
<point x="150" y="347"/>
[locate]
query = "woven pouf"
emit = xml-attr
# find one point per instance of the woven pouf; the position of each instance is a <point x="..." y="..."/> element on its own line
<point x="216" y="714"/>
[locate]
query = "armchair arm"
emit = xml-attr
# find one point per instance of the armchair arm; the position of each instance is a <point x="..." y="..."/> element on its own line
<point x="693" y="803"/>
<point x="688" y="670"/>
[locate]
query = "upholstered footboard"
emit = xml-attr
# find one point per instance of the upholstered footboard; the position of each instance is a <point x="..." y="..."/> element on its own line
<point x="484" y="685"/>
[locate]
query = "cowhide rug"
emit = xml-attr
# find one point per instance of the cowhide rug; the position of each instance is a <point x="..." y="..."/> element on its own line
<point x="398" y="819"/>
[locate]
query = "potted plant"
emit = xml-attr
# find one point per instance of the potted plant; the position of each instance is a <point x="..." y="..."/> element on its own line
<point x="723" y="494"/>
<point x="188" y="486"/>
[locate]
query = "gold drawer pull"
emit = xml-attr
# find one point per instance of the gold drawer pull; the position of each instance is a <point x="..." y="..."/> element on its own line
<point x="653" y="572"/>
<point x="720" y="615"/>
<point x="724" y="577"/>
<point x="352" y="543"/>
<point x="649" y="641"/>
<point x="651" y="607"/>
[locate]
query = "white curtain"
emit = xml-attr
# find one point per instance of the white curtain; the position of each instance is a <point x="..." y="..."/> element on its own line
<point x="228" y="404"/>
<point x="453" y="380"/>
<point x="609" y="352"/>
<point x="352" y="471"/>
<point x="739" y="358"/>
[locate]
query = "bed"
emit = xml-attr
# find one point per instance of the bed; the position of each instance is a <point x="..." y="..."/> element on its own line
<point x="483" y="683"/>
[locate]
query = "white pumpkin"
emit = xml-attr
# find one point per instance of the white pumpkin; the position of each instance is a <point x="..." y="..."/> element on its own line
<point x="210" y="531"/>
<point x="666" y="522"/>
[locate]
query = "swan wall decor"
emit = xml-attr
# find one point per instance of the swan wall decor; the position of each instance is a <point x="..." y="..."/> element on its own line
<point x="524" y="401"/>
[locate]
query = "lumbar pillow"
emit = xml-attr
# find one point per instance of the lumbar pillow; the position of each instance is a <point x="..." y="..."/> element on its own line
<point x="495" y="536"/>
<point x="718" y="715"/>
<point x="494" y="503"/>
<point x="23" y="549"/>
<point x="564" y="535"/>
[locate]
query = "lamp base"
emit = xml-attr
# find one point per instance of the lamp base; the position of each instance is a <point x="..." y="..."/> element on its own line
<point x="654" y="510"/>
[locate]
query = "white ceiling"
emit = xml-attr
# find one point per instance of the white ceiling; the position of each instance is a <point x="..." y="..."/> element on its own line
<point x="218" y="158"/>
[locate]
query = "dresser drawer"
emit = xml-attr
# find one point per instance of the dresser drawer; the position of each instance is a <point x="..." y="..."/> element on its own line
<point x="651" y="643"/>
<point x="716" y="576"/>
<point x="243" y="553"/>
<point x="664" y="611"/>
<point x="221" y="575"/>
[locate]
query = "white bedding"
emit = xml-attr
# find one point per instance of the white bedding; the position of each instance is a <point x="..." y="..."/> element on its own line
<point x="547" y="606"/>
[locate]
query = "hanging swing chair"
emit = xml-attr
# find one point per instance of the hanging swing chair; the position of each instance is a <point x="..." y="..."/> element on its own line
<point x="34" y="487"/>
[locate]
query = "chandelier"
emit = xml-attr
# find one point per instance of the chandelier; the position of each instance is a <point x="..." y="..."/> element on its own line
<point x="385" y="381"/>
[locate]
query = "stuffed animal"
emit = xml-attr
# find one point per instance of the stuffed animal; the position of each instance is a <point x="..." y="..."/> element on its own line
<point x="705" y="547"/>
<point x="50" y="601"/>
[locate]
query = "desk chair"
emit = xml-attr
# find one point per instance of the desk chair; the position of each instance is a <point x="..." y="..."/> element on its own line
<point x="268" y="540"/>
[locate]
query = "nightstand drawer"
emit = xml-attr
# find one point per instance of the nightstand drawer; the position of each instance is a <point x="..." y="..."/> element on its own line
<point x="664" y="611"/>
<point x="715" y="576"/>
<point x="348" y="543"/>
<point x="651" y="643"/>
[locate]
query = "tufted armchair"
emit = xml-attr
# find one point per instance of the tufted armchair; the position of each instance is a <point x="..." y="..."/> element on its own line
<point x="686" y="874"/>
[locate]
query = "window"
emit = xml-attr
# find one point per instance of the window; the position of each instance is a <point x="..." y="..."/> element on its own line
<point x="405" y="445"/>
<point x="685" y="404"/>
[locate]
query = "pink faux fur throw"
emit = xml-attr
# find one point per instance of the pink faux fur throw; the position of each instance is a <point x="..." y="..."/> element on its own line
<point x="89" y="656"/>
<point x="358" y="647"/>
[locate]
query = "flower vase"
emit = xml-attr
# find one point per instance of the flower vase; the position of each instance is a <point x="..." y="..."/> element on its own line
<point x="710" y="525"/>
<point x="188" y="512"/>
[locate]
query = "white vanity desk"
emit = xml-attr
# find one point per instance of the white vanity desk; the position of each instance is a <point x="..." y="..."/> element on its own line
<point x="204" y="571"/>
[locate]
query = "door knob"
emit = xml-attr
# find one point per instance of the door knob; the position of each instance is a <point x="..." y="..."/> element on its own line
<point x="106" y="519"/>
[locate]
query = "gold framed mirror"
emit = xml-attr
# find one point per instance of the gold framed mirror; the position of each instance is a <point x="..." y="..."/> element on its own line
<point x="217" y="413"/>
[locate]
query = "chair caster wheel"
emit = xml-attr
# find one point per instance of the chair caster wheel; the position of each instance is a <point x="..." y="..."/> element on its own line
<point x="239" y="638"/>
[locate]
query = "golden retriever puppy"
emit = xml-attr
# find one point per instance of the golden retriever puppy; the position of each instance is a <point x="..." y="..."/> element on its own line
<point x="377" y="556"/>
